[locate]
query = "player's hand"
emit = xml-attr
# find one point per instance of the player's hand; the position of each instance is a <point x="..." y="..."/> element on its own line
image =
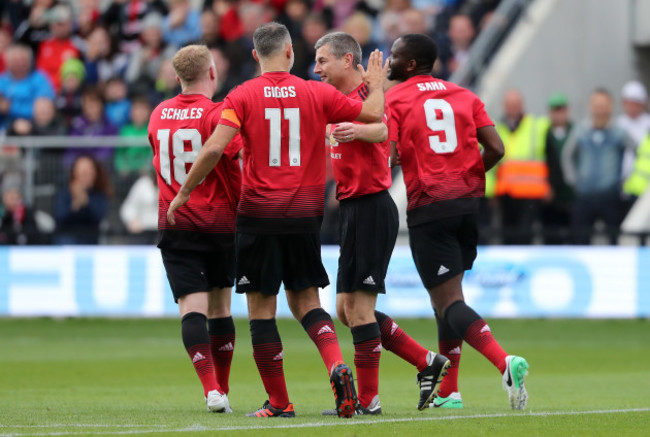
<point x="345" y="132"/>
<point x="180" y="200"/>
<point x="375" y="75"/>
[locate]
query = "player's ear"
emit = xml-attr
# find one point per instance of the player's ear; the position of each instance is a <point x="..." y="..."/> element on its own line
<point x="288" y="50"/>
<point x="349" y="60"/>
<point x="213" y="72"/>
<point x="257" y="59"/>
<point x="178" y="79"/>
<point x="411" y="65"/>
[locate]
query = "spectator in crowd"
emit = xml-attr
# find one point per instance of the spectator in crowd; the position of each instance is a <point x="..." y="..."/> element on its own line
<point x="132" y="159"/>
<point x="88" y="15"/>
<point x="68" y="101"/>
<point x="17" y="221"/>
<point x="294" y="14"/>
<point x="591" y="160"/>
<point x="139" y="211"/>
<point x="20" y="86"/>
<point x="359" y="25"/>
<point x="118" y="105"/>
<point x="30" y="23"/>
<point x="635" y="119"/>
<point x="521" y="176"/>
<point x="146" y="60"/>
<point x="83" y="205"/>
<point x="209" y="28"/>
<point x="5" y="42"/>
<point x="313" y="29"/>
<point x="91" y="123"/>
<point x="226" y="80"/>
<point x="102" y="58"/>
<point x="182" y="25"/>
<point x="461" y="35"/>
<point x="53" y="52"/>
<point x="46" y="122"/>
<point x="556" y="210"/>
<point x="637" y="183"/>
<point x="125" y="20"/>
<point x="166" y="84"/>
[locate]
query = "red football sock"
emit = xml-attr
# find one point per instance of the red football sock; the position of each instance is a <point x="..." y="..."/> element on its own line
<point x="394" y="339"/>
<point x="367" y="351"/>
<point x="268" y="357"/>
<point x="197" y="344"/>
<point x="320" y="328"/>
<point x="267" y="351"/>
<point x="479" y="336"/>
<point x="202" y="360"/>
<point x="222" y="345"/>
<point x="451" y="349"/>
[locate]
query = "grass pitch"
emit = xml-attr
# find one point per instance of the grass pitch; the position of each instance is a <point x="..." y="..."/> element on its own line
<point x="131" y="376"/>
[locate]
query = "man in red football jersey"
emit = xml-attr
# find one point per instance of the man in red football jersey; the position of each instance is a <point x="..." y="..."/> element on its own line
<point x="199" y="251"/>
<point x="282" y="121"/>
<point x="368" y="226"/>
<point x="436" y="128"/>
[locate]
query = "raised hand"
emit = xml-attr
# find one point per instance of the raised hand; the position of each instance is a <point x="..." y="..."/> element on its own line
<point x="375" y="75"/>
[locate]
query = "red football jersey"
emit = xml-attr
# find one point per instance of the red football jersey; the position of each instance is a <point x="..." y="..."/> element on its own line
<point x="360" y="168"/>
<point x="434" y="123"/>
<point x="178" y="127"/>
<point x="282" y="120"/>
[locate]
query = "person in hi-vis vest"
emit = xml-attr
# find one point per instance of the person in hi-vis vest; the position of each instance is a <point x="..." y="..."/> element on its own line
<point x="520" y="181"/>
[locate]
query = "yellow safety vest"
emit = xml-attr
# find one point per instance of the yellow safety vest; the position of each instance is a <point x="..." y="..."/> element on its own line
<point x="637" y="182"/>
<point x="522" y="173"/>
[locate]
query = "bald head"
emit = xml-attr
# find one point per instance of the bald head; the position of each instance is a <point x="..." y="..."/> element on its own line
<point x="513" y="104"/>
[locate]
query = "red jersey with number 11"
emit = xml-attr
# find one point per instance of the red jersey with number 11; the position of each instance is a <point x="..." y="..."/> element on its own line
<point x="282" y="120"/>
<point x="434" y="123"/>
<point x="178" y="127"/>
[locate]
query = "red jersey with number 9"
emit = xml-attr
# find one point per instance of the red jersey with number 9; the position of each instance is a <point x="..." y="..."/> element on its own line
<point x="282" y="120"/>
<point x="178" y="127"/>
<point x="434" y="124"/>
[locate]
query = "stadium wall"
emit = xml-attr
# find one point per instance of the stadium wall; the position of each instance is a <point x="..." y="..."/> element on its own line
<point x="568" y="46"/>
<point x="119" y="281"/>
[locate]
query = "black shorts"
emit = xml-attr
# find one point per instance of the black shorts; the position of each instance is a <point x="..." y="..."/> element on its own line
<point x="190" y="271"/>
<point x="264" y="261"/>
<point x="368" y="227"/>
<point x="444" y="248"/>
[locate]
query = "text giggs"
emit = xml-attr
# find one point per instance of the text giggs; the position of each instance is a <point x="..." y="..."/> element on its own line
<point x="279" y="91"/>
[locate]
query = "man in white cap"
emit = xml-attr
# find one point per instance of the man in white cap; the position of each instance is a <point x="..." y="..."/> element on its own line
<point x="635" y="119"/>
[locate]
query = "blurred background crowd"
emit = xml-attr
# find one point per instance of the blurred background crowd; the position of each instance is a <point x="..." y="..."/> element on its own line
<point x="84" y="76"/>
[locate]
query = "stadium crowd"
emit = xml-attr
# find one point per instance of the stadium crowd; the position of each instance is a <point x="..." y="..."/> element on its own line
<point x="97" y="68"/>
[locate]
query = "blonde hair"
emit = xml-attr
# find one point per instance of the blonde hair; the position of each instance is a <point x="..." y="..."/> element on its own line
<point x="191" y="62"/>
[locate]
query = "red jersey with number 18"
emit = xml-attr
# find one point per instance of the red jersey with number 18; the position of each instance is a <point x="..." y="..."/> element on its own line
<point x="178" y="127"/>
<point x="434" y="123"/>
<point x="282" y="121"/>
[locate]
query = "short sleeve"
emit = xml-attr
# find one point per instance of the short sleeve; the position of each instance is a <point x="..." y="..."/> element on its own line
<point x="393" y="126"/>
<point x="481" y="118"/>
<point x="233" y="109"/>
<point x="336" y="105"/>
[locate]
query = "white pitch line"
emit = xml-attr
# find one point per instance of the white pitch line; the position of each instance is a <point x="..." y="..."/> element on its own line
<point x="201" y="428"/>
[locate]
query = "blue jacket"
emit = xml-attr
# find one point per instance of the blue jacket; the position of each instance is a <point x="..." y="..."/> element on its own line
<point x="22" y="94"/>
<point x="592" y="159"/>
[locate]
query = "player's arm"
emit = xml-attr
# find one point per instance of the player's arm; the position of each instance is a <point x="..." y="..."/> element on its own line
<point x="373" y="107"/>
<point x="206" y="161"/>
<point x="370" y="133"/>
<point x="493" y="149"/>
